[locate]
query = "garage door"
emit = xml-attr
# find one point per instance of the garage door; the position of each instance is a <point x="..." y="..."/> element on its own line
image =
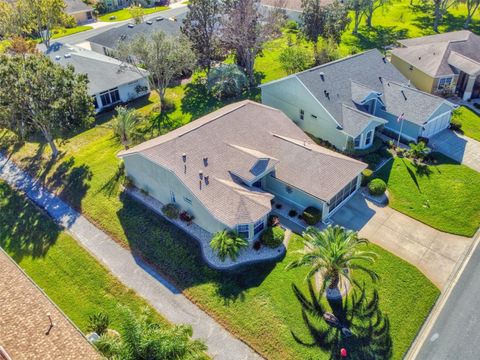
<point x="435" y="126"/>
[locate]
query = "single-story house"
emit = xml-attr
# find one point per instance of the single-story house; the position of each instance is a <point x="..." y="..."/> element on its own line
<point x="345" y="101"/>
<point x="111" y="82"/>
<point x="107" y="41"/>
<point x="112" y="5"/>
<point x="226" y="168"/>
<point x="293" y="8"/>
<point x="442" y="64"/>
<point x="82" y="12"/>
<point x="31" y="325"/>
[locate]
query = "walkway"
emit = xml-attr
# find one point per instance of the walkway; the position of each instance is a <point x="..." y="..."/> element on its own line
<point x="133" y="272"/>
<point x="458" y="147"/>
<point x="433" y="252"/>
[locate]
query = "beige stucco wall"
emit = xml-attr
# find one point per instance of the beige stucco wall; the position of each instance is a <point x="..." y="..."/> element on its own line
<point x="289" y="95"/>
<point x="418" y="78"/>
<point x="81" y="17"/>
<point x="160" y="183"/>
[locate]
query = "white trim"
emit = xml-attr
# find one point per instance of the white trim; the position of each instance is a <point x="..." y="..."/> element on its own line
<point x="444" y="77"/>
<point x="339" y="206"/>
<point x="436" y="117"/>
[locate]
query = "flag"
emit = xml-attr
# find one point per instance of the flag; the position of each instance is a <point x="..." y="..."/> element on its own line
<point x="401" y="117"/>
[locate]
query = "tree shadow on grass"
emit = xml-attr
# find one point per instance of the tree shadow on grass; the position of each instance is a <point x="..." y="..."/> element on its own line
<point x="449" y="21"/>
<point x="110" y="187"/>
<point x="369" y="327"/>
<point x="377" y="37"/>
<point x="412" y="174"/>
<point x="177" y="256"/>
<point x="25" y="231"/>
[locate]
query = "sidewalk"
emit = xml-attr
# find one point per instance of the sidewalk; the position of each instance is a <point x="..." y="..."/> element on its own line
<point x="133" y="272"/>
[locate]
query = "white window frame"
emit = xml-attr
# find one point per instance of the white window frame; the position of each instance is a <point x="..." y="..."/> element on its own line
<point x="450" y="81"/>
<point x="302" y="114"/>
<point x="371" y="133"/>
<point x="258" y="224"/>
<point x="239" y="226"/>
<point x="359" y="137"/>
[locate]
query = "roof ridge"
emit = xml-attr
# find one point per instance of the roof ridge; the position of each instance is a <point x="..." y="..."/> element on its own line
<point x="241" y="190"/>
<point x="414" y="89"/>
<point x="364" y="86"/>
<point x="465" y="57"/>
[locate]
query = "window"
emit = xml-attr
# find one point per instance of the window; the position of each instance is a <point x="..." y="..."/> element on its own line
<point x="343" y="194"/>
<point x="172" y="197"/>
<point x="259" y="226"/>
<point x="243" y="230"/>
<point x="357" y="141"/>
<point x="369" y="139"/>
<point x="302" y="114"/>
<point x="444" y="83"/>
<point x="109" y="97"/>
<point x="187" y="200"/>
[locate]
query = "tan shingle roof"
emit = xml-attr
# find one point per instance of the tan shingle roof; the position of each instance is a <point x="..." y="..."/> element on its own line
<point x="432" y="54"/>
<point x="24" y="322"/>
<point x="234" y="139"/>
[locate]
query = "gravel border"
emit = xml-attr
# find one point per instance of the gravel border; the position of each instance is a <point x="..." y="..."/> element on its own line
<point x="245" y="257"/>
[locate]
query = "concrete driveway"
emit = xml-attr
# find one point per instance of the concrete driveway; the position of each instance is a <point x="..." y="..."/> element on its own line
<point x="431" y="251"/>
<point x="458" y="147"/>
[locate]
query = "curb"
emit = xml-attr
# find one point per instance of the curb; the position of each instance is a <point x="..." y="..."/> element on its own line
<point x="442" y="300"/>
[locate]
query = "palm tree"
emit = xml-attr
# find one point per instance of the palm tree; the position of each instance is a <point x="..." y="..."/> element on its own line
<point x="227" y="243"/>
<point x="124" y="125"/>
<point x="418" y="151"/>
<point x="333" y="252"/>
<point x="143" y="339"/>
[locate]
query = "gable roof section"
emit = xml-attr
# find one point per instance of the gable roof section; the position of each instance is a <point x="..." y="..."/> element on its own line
<point x="433" y="54"/>
<point x="234" y="139"/>
<point x="112" y="37"/>
<point x="103" y="72"/>
<point x="76" y="6"/>
<point x="24" y="321"/>
<point x="417" y="106"/>
<point x="355" y="121"/>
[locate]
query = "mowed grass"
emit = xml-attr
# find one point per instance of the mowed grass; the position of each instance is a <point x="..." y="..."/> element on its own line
<point x="69" y="275"/>
<point x="470" y="122"/>
<point x="257" y="305"/>
<point x="124" y="14"/>
<point x="61" y="32"/>
<point x="445" y="195"/>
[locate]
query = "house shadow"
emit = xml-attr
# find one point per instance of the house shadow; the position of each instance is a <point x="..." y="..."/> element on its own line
<point x="159" y="245"/>
<point x="24" y="230"/>
<point x="449" y="143"/>
<point x="368" y="335"/>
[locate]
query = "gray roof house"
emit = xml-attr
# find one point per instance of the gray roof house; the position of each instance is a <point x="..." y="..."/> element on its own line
<point x="344" y="101"/>
<point x="82" y="12"/>
<point x="107" y="41"/>
<point x="111" y="82"/>
<point x="227" y="167"/>
<point x="442" y="63"/>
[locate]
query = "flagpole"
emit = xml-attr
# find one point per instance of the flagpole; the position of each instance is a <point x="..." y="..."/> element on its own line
<point x="401" y="128"/>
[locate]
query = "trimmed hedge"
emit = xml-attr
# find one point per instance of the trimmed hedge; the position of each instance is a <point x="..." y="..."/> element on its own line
<point x="377" y="187"/>
<point x="171" y="211"/>
<point x="366" y="176"/>
<point x="273" y="236"/>
<point x="311" y="215"/>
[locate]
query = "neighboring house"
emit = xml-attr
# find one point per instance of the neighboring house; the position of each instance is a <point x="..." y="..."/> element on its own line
<point x="345" y="101"/>
<point x="226" y="167"/>
<point x="442" y="64"/>
<point x="31" y="325"/>
<point x="82" y="12"/>
<point x="111" y="82"/>
<point x="112" y="5"/>
<point x="107" y="41"/>
<point x="293" y="8"/>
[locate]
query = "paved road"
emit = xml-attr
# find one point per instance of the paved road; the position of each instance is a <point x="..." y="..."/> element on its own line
<point x="133" y="272"/>
<point x="84" y="35"/>
<point x="456" y="332"/>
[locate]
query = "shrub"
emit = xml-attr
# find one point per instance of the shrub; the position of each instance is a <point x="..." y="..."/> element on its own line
<point x="291" y="25"/>
<point x="99" y="323"/>
<point x="455" y="125"/>
<point x="292" y="213"/>
<point x="171" y="211"/>
<point x="273" y="236"/>
<point x="366" y="176"/>
<point x="227" y="244"/>
<point x="226" y="81"/>
<point x="128" y="182"/>
<point x="476" y="106"/>
<point x="373" y="160"/>
<point x="377" y="187"/>
<point x="273" y="220"/>
<point x="294" y="59"/>
<point x="257" y="245"/>
<point x="312" y="215"/>
<point x="186" y="216"/>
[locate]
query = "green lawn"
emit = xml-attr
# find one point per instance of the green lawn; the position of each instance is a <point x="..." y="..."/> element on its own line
<point x="124" y="14"/>
<point x="470" y="122"/>
<point x="61" y="32"/>
<point x="445" y="196"/>
<point x="71" y="277"/>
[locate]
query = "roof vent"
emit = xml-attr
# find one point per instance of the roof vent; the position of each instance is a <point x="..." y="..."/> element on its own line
<point x="205" y="161"/>
<point x="67" y="55"/>
<point x="380" y="78"/>
<point x="322" y="76"/>
<point x="206" y="180"/>
<point x="200" y="174"/>
<point x="159" y="19"/>
<point x="131" y="25"/>
<point x="149" y="22"/>
<point x="404" y="96"/>
<point x="327" y="94"/>
<point x="58" y="57"/>
<point x="419" y="58"/>
<point x="184" y="157"/>
<point x="384" y="59"/>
